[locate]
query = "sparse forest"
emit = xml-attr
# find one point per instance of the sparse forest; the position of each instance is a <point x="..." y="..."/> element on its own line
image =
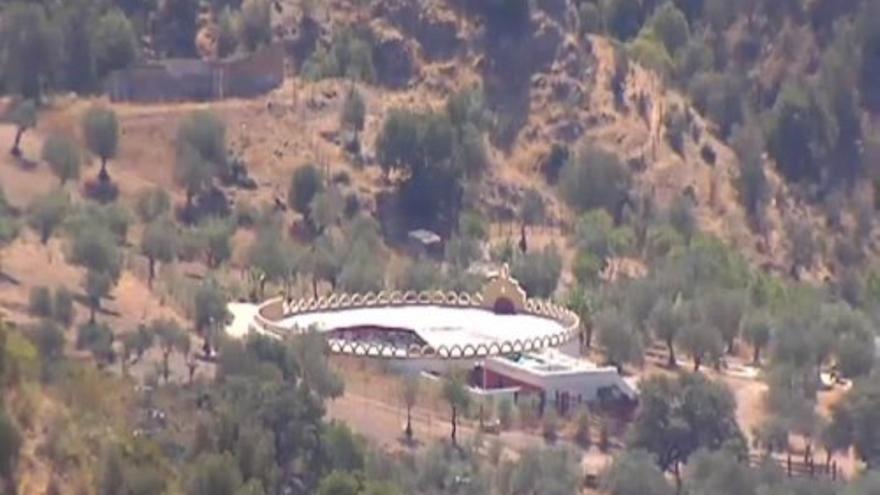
<point x="697" y="180"/>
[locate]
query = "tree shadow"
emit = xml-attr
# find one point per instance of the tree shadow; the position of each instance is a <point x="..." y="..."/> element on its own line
<point x="25" y="164"/>
<point x="6" y="278"/>
<point x="102" y="190"/>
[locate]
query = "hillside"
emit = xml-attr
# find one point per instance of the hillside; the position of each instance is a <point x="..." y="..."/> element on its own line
<point x="690" y="176"/>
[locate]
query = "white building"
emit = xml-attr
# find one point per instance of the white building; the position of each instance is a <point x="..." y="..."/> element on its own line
<point x="557" y="378"/>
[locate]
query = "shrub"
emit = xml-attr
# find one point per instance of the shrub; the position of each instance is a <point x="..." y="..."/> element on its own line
<point x="595" y="178"/>
<point x="582" y="431"/>
<point x="40" y="302"/>
<point x="505" y="412"/>
<point x="62" y="307"/>
<point x="676" y="129"/>
<point x="550" y="425"/>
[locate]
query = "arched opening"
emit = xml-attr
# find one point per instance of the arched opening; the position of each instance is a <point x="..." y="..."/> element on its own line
<point x="504" y="306"/>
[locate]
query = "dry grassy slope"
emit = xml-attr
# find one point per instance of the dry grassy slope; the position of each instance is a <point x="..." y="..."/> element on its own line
<point x="297" y="124"/>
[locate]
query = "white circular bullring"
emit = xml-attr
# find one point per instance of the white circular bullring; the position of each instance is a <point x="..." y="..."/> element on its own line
<point x="498" y="320"/>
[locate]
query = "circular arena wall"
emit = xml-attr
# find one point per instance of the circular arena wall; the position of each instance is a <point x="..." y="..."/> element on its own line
<point x="499" y="320"/>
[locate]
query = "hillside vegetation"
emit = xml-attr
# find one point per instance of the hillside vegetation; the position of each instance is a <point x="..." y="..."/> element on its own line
<point x="697" y="179"/>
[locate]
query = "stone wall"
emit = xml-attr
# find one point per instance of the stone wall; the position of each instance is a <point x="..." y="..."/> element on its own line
<point x="199" y="80"/>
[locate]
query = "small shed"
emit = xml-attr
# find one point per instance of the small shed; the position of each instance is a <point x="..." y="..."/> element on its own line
<point x="423" y="242"/>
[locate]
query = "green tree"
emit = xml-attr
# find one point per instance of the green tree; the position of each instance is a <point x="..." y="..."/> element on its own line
<point x="856" y="419"/>
<point x="9" y="223"/>
<point x="76" y="23"/>
<point x="682" y="217"/>
<point x="214" y="474"/>
<point x="31" y="49"/>
<point x="97" y="338"/>
<point x="101" y="130"/>
<point x="800" y="133"/>
<point x="754" y="189"/>
<point x="159" y="243"/>
<point x="210" y="309"/>
<point x="409" y="392"/>
<point x="62" y="307"/>
<point x="227" y="37"/>
<point x="24" y="115"/>
<point x="666" y="320"/>
<point x="63" y="156"/>
<point x="595" y="178"/>
<point x="176" y="28"/>
<point x="48" y="212"/>
<point x="680" y="416"/>
<point x="725" y="309"/>
<point x="622" y="344"/>
<point x="115" y="42"/>
<point x="171" y="338"/>
<point x="307" y="182"/>
<point x="700" y="340"/>
<point x="869" y="69"/>
<point x="634" y="473"/>
<point x="671" y="26"/>
<point x="40" y="302"/>
<point x="719" y="95"/>
<point x="623" y="18"/>
<point x="95" y="250"/>
<point x="272" y="256"/>
<point x="354" y="110"/>
<point x="10" y="448"/>
<point x="325" y="209"/>
<point x="757" y="331"/>
<point x="192" y="173"/>
<point x="719" y="473"/>
<point x="311" y="351"/>
<point x="539" y="271"/>
<point x="550" y="471"/>
<point x="152" y="203"/>
<point x="339" y="483"/>
<point x="532" y="210"/>
<point x="421" y="275"/>
<point x="49" y="341"/>
<point x="363" y="270"/>
<point x="216" y="238"/>
<point x="456" y="394"/>
<point x="201" y="153"/>
<point x="256" y="24"/>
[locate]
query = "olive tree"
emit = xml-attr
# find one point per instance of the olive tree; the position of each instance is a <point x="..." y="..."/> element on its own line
<point x="409" y="392"/>
<point x="158" y="243"/>
<point x="595" y="178"/>
<point x="209" y="304"/>
<point x="47" y="212"/>
<point x="307" y="182"/>
<point x="24" y="115"/>
<point x="63" y="156"/>
<point x="31" y="48"/>
<point x="456" y="394"/>
<point x="354" y="110"/>
<point x="171" y="338"/>
<point x="634" y="473"/>
<point x="95" y="249"/>
<point x="757" y="331"/>
<point x="101" y="130"/>
<point x="666" y="320"/>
